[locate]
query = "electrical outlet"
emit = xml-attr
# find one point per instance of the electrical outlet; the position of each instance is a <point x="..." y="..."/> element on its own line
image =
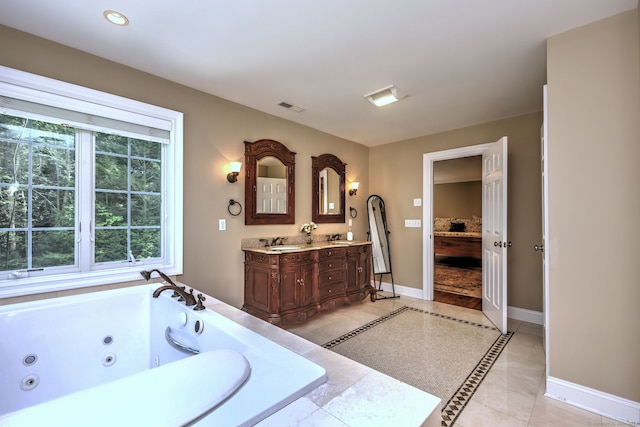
<point x="412" y="223"/>
<point x="222" y="224"/>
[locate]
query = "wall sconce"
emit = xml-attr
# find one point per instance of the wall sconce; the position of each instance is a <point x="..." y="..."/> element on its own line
<point x="385" y="96"/>
<point x="235" y="171"/>
<point x="354" y="188"/>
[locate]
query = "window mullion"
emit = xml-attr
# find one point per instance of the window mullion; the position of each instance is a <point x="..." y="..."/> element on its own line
<point x="85" y="202"/>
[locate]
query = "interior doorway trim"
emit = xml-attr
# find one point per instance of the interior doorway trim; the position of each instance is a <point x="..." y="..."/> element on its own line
<point x="427" y="207"/>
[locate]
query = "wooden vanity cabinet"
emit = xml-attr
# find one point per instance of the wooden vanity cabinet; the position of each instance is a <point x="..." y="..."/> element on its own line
<point x="292" y="286"/>
<point x="280" y="286"/>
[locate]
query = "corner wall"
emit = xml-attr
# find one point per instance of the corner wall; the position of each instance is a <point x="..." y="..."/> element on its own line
<point x="594" y="205"/>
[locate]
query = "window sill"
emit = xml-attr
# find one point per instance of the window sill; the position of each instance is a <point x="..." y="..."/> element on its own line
<point x="44" y="284"/>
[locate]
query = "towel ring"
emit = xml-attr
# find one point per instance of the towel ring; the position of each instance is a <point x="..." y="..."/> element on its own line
<point x="233" y="203"/>
<point x="353" y="212"/>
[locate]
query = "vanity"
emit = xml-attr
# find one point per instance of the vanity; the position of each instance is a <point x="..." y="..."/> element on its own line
<point x="293" y="284"/>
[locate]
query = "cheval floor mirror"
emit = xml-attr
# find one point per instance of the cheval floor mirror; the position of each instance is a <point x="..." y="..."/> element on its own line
<point x="379" y="237"/>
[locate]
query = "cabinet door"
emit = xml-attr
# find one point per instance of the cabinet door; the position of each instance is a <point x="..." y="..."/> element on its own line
<point x="257" y="288"/>
<point x="289" y="284"/>
<point x="353" y="262"/>
<point x="364" y="268"/>
<point x="306" y="287"/>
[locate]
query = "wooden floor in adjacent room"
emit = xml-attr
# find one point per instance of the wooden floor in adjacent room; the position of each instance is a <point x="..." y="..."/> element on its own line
<point x="459" y="300"/>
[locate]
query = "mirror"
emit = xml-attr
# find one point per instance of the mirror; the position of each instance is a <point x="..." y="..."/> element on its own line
<point x="269" y="186"/>
<point x="327" y="189"/>
<point x="379" y="237"/>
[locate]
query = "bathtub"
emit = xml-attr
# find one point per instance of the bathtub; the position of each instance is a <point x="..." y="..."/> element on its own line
<point x="121" y="357"/>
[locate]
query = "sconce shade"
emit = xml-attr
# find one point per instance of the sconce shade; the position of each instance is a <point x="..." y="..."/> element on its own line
<point x="385" y="96"/>
<point x="235" y="166"/>
<point x="235" y="171"/>
<point x="354" y="188"/>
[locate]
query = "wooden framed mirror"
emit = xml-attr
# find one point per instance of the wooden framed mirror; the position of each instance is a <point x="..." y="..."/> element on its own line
<point x="327" y="189"/>
<point x="269" y="192"/>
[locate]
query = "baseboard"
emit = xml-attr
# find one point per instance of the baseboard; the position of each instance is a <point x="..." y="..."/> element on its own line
<point x="602" y="403"/>
<point x="401" y="290"/>
<point x="525" y="315"/>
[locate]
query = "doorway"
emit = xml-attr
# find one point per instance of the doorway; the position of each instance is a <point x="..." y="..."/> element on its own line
<point x="494" y="225"/>
<point x="457" y="231"/>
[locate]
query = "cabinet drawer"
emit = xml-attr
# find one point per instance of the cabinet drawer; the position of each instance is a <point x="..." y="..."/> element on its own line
<point x="260" y="258"/>
<point x="296" y="257"/>
<point x="332" y="276"/>
<point x="332" y="264"/>
<point x="333" y="290"/>
<point x="327" y="253"/>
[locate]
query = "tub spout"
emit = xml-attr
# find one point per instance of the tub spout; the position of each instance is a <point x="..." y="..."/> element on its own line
<point x="189" y="300"/>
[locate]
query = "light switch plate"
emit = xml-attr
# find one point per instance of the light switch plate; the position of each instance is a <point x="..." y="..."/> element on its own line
<point x="222" y="224"/>
<point x="417" y="202"/>
<point x="412" y="223"/>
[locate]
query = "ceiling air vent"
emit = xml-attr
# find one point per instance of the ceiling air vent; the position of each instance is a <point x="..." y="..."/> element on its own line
<point x="291" y="107"/>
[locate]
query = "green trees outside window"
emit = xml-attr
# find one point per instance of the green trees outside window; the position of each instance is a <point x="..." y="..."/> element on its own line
<point x="47" y="181"/>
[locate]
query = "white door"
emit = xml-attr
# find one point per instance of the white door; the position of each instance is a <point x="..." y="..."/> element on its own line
<point x="494" y="233"/>
<point x="271" y="195"/>
<point x="544" y="166"/>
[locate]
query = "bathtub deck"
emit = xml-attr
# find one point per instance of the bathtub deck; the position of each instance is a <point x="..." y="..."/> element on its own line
<point x="353" y="394"/>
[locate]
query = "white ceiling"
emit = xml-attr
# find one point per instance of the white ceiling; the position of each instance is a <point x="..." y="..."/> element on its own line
<point x="462" y="62"/>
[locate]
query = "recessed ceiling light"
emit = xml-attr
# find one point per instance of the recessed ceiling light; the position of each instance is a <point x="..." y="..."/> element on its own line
<point x="116" y="18"/>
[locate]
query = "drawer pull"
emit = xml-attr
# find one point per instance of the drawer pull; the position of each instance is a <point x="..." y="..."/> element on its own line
<point x="329" y="277"/>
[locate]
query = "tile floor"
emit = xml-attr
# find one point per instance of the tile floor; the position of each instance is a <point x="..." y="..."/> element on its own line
<point x="512" y="394"/>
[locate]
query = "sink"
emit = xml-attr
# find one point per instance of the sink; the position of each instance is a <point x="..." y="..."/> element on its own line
<point x="342" y="242"/>
<point x="284" y="248"/>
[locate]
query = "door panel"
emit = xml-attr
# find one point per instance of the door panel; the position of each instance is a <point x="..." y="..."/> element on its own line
<point x="494" y="233"/>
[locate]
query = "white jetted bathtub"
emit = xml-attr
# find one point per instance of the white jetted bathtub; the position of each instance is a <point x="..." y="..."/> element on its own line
<point x="121" y="357"/>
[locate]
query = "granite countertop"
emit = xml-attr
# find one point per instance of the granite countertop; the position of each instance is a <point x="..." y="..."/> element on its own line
<point x="299" y="247"/>
<point x="353" y="395"/>
<point x="456" y="234"/>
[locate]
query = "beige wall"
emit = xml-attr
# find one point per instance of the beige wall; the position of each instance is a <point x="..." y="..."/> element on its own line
<point x="396" y="175"/>
<point x="594" y="205"/>
<point x="457" y="200"/>
<point x="214" y="133"/>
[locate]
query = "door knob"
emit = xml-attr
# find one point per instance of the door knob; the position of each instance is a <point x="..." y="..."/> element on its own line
<point x="497" y="244"/>
<point x="538" y="248"/>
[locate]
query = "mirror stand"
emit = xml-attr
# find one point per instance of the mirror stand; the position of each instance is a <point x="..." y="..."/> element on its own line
<point x="379" y="236"/>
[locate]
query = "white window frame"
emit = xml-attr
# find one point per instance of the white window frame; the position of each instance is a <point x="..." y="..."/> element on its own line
<point x="30" y="87"/>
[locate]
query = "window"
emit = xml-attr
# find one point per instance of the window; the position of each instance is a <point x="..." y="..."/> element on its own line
<point x="90" y="186"/>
